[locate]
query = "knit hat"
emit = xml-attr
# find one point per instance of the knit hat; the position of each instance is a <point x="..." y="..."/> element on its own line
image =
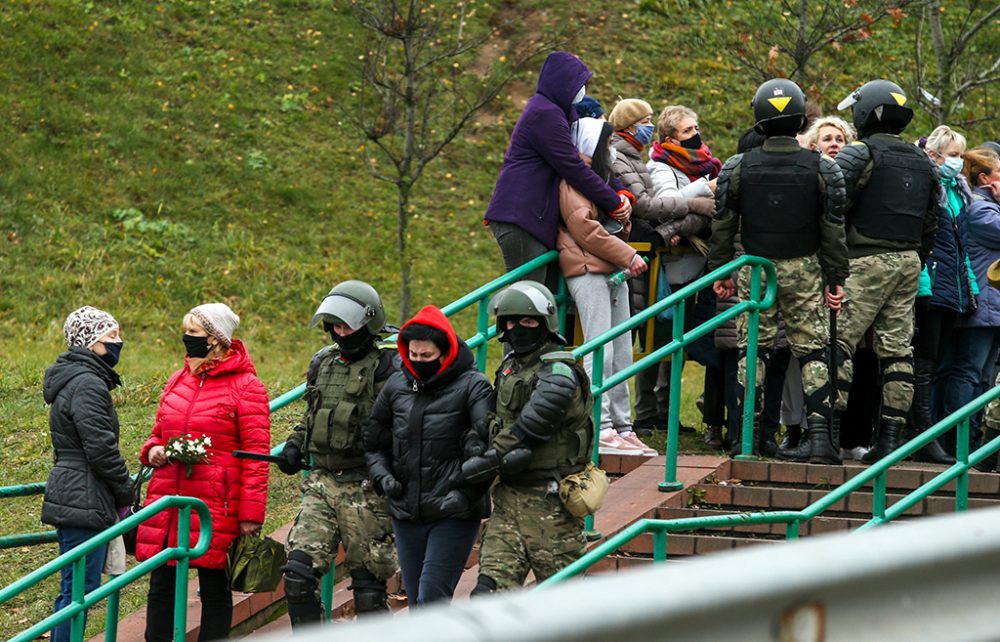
<point x="628" y="112"/>
<point x="85" y="326"/>
<point x="421" y="332"/>
<point x="586" y="134"/>
<point x="993" y="146"/>
<point x="589" y="107"/>
<point x="218" y="320"/>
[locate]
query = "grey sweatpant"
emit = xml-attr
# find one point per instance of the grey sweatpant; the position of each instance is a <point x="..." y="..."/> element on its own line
<point x="599" y="308"/>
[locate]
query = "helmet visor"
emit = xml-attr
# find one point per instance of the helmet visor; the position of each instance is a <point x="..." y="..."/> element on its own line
<point x="344" y="309"/>
<point x="851" y="99"/>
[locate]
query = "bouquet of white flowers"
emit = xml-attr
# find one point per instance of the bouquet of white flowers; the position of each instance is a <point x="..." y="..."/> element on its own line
<point x="185" y="449"/>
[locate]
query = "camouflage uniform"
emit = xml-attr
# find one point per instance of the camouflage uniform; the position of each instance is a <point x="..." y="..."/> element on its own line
<point x="543" y="398"/>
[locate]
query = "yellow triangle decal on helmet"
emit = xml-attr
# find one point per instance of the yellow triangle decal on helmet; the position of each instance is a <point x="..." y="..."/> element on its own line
<point x="900" y="98"/>
<point x="780" y="103"/>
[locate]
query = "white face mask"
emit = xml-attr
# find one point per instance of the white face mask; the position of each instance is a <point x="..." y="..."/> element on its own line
<point x="580" y="94"/>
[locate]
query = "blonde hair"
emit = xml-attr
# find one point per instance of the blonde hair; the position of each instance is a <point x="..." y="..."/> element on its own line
<point x="981" y="160"/>
<point x="942" y="137"/>
<point x="812" y="134"/>
<point x="670" y="119"/>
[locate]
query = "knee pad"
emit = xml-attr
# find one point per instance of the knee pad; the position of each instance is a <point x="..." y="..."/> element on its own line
<point x="369" y="592"/>
<point x="897" y="369"/>
<point x="484" y="586"/>
<point x="300" y="578"/>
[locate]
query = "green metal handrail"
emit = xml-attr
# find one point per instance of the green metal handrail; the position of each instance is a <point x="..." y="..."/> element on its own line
<point x="74" y="612"/>
<point x="875" y="474"/>
<point x="681" y="339"/>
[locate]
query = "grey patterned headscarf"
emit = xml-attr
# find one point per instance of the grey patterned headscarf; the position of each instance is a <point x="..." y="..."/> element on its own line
<point x="85" y="326"/>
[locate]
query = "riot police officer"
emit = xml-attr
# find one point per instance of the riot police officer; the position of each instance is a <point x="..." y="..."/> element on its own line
<point x="338" y="504"/>
<point x="892" y="193"/>
<point x="787" y="204"/>
<point x="542" y="431"/>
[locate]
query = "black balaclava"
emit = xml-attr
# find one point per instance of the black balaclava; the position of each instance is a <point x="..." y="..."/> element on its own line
<point x="524" y="340"/>
<point x="352" y="346"/>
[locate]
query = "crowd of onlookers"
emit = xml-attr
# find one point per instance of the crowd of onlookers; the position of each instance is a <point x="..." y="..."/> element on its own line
<point x="592" y="182"/>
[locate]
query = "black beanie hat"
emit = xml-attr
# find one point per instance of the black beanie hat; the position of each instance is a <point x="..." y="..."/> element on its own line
<point x="420" y="332"/>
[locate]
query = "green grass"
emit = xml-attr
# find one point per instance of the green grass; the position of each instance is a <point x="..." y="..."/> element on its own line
<point x="157" y="155"/>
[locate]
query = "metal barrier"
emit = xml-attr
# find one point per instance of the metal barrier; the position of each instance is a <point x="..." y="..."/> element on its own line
<point x="75" y="612"/>
<point x="930" y="580"/>
<point x="875" y="474"/>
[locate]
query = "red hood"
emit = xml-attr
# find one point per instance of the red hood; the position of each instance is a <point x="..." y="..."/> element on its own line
<point x="431" y="316"/>
<point x="237" y="360"/>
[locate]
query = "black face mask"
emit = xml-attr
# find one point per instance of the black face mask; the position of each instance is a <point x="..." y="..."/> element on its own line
<point x="425" y="370"/>
<point x="113" y="354"/>
<point x="197" y="347"/>
<point x="524" y="340"/>
<point x="354" y="345"/>
<point x="692" y="143"/>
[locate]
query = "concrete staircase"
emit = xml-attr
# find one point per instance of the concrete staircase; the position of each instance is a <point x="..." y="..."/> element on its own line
<point x="713" y="485"/>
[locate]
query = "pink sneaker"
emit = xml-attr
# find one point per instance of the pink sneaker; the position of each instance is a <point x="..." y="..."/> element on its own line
<point x="632" y="438"/>
<point x="615" y="445"/>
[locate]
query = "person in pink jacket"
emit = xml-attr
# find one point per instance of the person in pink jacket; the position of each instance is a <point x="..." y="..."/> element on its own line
<point x="217" y="395"/>
<point x="591" y="247"/>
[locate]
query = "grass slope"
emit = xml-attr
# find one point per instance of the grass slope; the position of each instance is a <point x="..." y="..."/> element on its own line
<point x="156" y="155"/>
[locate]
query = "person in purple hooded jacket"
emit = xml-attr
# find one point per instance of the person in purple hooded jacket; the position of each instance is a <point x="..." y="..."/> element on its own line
<point x="523" y="213"/>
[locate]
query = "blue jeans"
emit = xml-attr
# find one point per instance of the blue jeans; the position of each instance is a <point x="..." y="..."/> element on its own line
<point x="432" y="556"/>
<point x="974" y="353"/>
<point x="70" y="538"/>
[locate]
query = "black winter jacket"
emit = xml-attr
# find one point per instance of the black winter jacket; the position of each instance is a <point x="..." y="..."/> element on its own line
<point x="421" y="432"/>
<point x="89" y="478"/>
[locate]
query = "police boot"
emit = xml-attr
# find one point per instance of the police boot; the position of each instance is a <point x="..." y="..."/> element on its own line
<point x="737" y="446"/>
<point x="793" y="435"/>
<point x="484" y="586"/>
<point x="989" y="464"/>
<point x="801" y="451"/>
<point x="824" y="446"/>
<point x="301" y="589"/>
<point x="369" y="592"/>
<point x="920" y="411"/>
<point x="890" y="429"/>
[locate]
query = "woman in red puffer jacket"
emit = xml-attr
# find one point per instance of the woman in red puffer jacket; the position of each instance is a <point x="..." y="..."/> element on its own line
<point x="217" y="395"/>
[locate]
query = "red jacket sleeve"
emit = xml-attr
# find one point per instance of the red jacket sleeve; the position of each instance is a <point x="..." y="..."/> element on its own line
<point x="254" y="420"/>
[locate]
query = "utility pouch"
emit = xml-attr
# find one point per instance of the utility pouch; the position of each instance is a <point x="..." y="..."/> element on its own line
<point x="583" y="493"/>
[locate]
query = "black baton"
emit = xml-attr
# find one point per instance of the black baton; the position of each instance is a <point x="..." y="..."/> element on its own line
<point x="832" y="365"/>
<point x="274" y="459"/>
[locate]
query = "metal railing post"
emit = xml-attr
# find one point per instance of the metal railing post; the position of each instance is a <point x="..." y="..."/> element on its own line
<point x="79" y="576"/>
<point x="660" y="546"/>
<point x="962" y="456"/>
<point x="181" y="583"/>
<point x="483" y="328"/>
<point x="670" y="482"/>
<point x="111" y="617"/>
<point x="878" y="496"/>
<point x="326" y="593"/>
<point x="750" y="392"/>
<point x="596" y="382"/>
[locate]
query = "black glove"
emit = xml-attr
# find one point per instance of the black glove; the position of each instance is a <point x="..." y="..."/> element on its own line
<point x="482" y="469"/>
<point x="516" y="460"/>
<point x="292" y="460"/>
<point x="388" y="486"/>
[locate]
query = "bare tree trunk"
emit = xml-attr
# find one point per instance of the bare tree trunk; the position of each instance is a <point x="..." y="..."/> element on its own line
<point x="405" y="167"/>
<point x="405" y="267"/>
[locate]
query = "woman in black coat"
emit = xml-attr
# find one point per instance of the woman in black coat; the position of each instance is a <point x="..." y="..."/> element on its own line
<point x="428" y="419"/>
<point x="89" y="487"/>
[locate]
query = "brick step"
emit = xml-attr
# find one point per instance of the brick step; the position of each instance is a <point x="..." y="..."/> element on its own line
<point x="905" y="477"/>
<point x="686" y="544"/>
<point x="815" y="526"/>
<point x="756" y="498"/>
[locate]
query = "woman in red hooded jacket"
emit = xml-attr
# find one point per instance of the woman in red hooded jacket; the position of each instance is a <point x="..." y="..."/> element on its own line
<point x="217" y="395"/>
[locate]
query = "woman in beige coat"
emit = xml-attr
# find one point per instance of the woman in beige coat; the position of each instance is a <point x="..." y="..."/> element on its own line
<point x="591" y="247"/>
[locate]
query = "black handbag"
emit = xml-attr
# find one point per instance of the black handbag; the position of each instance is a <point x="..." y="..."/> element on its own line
<point x="130" y="535"/>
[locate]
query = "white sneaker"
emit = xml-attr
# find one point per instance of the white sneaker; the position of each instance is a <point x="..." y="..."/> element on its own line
<point x="633" y="439"/>
<point x="615" y="445"/>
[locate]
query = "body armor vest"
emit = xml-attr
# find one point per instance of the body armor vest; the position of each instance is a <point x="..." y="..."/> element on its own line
<point x="780" y="203"/>
<point x="340" y="403"/>
<point x="893" y="204"/>
<point x="568" y="449"/>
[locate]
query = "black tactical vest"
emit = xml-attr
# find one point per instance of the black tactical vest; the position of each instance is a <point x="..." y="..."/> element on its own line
<point x="569" y="449"/>
<point x="893" y="203"/>
<point x="340" y="403"/>
<point x="779" y="203"/>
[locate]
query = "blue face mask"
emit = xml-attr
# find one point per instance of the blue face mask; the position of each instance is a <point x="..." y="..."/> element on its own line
<point x="952" y="167"/>
<point x="644" y="133"/>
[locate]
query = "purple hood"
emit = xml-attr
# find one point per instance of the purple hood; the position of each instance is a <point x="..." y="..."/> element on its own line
<point x="541" y="153"/>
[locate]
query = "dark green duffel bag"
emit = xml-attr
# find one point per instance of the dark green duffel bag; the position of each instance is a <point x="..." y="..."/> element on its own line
<point x="254" y="564"/>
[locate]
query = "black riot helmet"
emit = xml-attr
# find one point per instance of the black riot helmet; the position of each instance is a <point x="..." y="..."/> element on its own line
<point x="779" y="108"/>
<point x="878" y="106"/>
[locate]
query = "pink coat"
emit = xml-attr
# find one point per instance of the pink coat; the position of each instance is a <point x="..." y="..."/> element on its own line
<point x="583" y="243"/>
<point x="229" y="404"/>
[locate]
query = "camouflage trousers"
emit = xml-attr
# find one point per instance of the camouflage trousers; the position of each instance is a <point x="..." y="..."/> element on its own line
<point x="800" y="303"/>
<point x="334" y="513"/>
<point x="880" y="293"/>
<point x="528" y="531"/>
